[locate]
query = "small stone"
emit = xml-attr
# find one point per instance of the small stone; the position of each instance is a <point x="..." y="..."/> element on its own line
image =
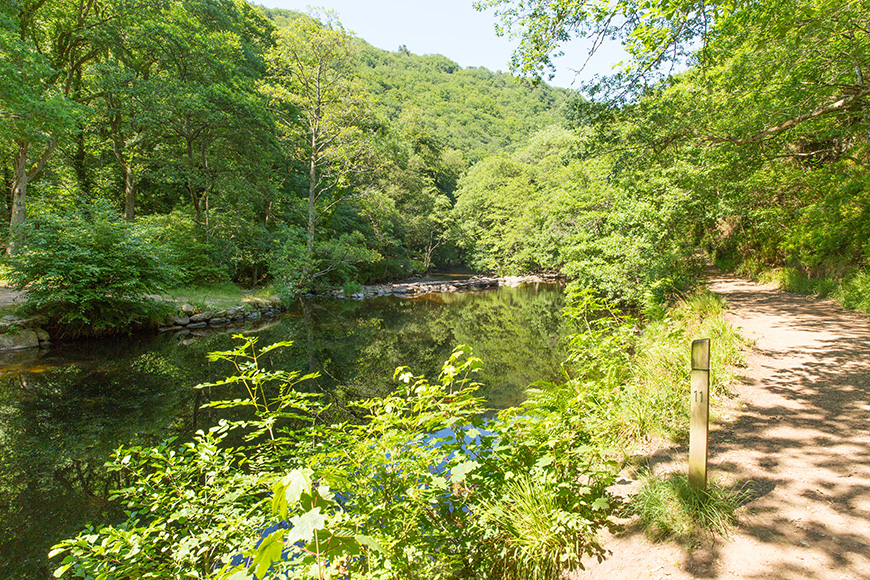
<point x="181" y="320"/>
<point x="207" y="315"/>
<point x="182" y="332"/>
<point x="168" y="329"/>
<point x="188" y="341"/>
<point x="197" y="325"/>
<point x="253" y="316"/>
<point x="188" y="309"/>
<point x="217" y="321"/>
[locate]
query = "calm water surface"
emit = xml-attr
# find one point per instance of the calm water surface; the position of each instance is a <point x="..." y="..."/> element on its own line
<point x="64" y="410"/>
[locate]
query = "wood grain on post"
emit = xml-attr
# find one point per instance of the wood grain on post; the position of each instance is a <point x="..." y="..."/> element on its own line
<point x="700" y="413"/>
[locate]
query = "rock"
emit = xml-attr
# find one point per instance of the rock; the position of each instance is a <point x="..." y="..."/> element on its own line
<point x="181" y="320"/>
<point x="182" y="332"/>
<point x="188" y="341"/>
<point x="188" y="309"/>
<point x="221" y="314"/>
<point x="202" y="316"/>
<point x="41" y="335"/>
<point x="253" y="316"/>
<point x="163" y="329"/>
<point x="200" y="333"/>
<point x="197" y="325"/>
<point x="218" y="321"/>
<point x="19" y="340"/>
<point x="239" y="316"/>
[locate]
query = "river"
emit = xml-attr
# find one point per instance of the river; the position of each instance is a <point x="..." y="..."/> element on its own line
<point x="63" y="411"/>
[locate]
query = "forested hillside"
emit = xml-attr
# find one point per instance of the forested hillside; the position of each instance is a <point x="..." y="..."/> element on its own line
<point x="203" y="126"/>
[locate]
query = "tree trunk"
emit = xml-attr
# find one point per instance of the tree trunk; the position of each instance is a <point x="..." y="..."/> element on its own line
<point x="312" y="210"/>
<point x="129" y="192"/>
<point x="19" y="196"/>
<point x="21" y="178"/>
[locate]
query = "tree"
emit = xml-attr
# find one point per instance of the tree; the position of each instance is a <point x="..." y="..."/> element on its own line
<point x="45" y="46"/>
<point x="804" y="60"/>
<point x="325" y="123"/>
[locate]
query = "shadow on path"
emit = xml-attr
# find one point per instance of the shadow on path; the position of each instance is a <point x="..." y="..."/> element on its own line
<point x="799" y="447"/>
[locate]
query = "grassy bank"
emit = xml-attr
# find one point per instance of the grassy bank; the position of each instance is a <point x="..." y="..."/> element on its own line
<point x="851" y="290"/>
<point x="218" y="296"/>
<point x="628" y="384"/>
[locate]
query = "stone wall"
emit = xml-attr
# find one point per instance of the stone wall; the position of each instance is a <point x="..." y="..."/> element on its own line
<point x="19" y="333"/>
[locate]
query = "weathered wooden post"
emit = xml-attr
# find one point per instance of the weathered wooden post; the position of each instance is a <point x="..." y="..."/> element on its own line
<point x="699" y="417"/>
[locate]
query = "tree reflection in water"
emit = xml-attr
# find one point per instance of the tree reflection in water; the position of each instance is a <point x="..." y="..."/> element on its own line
<point x="62" y="412"/>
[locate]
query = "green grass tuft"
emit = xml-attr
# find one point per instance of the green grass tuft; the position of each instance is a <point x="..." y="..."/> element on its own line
<point x="668" y="507"/>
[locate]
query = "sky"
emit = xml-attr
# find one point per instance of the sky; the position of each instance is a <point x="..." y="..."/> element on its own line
<point x="449" y="27"/>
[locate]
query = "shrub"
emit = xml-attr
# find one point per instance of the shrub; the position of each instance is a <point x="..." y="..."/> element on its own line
<point x="198" y="259"/>
<point x="352" y="287"/>
<point x="854" y="291"/>
<point x="88" y="270"/>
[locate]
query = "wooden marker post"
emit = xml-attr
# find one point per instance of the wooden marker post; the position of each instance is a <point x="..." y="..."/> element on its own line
<point x="699" y="417"/>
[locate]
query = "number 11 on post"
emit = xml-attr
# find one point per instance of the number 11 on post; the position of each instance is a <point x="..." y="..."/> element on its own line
<point x="699" y="417"/>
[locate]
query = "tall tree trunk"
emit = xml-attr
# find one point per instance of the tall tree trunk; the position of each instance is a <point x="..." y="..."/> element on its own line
<point x="125" y="160"/>
<point x="21" y="178"/>
<point x="129" y="192"/>
<point x="312" y="209"/>
<point x="79" y="162"/>
<point x="19" y="196"/>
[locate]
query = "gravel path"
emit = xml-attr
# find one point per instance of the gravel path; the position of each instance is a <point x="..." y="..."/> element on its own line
<point x="799" y="441"/>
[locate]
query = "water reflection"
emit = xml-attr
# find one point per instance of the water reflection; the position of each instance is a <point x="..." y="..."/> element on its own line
<point x="62" y="412"/>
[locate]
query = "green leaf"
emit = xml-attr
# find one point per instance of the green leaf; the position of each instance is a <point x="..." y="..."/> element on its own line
<point x="600" y="504"/>
<point x="458" y="472"/>
<point x="370" y="542"/>
<point x="305" y="525"/>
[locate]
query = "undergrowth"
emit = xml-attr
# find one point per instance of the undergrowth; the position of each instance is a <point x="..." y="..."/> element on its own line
<point x="630" y="386"/>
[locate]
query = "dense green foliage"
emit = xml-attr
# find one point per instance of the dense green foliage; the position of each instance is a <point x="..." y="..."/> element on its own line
<point x="756" y="152"/>
<point x="382" y="498"/>
<point x="205" y="118"/>
<point x="89" y="270"/>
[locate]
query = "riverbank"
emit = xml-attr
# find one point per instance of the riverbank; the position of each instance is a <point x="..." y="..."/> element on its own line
<point x="192" y="315"/>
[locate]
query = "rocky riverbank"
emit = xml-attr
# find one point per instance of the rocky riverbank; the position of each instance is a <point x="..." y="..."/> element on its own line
<point x="20" y="333"/>
<point x="422" y="287"/>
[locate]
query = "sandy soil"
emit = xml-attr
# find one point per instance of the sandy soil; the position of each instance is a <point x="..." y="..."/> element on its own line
<point x="798" y="440"/>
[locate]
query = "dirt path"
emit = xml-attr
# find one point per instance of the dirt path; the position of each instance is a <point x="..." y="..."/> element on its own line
<point x="800" y="442"/>
<point x="8" y="296"/>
